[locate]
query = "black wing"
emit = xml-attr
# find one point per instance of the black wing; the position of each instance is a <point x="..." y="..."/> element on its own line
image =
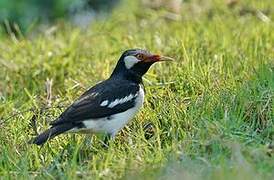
<point x="88" y="105"/>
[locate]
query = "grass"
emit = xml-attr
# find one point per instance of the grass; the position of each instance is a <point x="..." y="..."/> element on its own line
<point x="210" y="114"/>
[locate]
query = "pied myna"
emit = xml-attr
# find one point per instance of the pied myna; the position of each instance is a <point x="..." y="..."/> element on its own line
<point x="109" y="105"/>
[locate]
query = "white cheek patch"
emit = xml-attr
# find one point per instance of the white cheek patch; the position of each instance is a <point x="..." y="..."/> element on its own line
<point x="130" y="61"/>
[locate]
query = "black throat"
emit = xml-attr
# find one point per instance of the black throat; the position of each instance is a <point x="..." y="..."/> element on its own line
<point x="121" y="72"/>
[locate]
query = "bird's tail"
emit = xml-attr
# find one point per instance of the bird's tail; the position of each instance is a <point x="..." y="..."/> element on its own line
<point x="51" y="133"/>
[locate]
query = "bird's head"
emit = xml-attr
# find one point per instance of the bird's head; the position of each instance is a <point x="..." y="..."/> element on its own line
<point x="136" y="62"/>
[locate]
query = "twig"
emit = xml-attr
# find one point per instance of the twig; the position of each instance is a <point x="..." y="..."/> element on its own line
<point x="28" y="110"/>
<point x="49" y="91"/>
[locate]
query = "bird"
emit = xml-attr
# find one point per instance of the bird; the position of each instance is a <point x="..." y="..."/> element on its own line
<point x="109" y="105"/>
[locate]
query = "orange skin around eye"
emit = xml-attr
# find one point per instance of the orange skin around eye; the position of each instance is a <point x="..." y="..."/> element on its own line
<point x="153" y="58"/>
<point x="148" y="58"/>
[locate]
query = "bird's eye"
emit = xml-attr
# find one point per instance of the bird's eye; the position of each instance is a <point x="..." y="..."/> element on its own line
<point x="140" y="56"/>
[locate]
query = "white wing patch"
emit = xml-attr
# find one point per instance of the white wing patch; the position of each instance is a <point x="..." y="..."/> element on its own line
<point x="122" y="100"/>
<point x="130" y="61"/>
<point x="104" y="103"/>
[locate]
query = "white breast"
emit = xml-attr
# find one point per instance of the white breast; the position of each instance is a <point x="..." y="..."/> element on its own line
<point x="117" y="121"/>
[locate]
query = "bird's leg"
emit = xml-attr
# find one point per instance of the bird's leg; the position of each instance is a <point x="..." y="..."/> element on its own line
<point x="88" y="140"/>
<point x="108" y="137"/>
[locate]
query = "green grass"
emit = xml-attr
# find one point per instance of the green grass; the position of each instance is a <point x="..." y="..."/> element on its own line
<point x="211" y="112"/>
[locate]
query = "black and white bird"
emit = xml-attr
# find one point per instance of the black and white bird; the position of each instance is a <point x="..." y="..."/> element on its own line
<point x="109" y="105"/>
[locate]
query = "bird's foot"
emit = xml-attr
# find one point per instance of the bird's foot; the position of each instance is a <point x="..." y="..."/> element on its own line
<point x="149" y="130"/>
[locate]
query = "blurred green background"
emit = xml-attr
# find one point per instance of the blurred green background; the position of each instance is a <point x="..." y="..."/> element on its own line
<point x="25" y="15"/>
